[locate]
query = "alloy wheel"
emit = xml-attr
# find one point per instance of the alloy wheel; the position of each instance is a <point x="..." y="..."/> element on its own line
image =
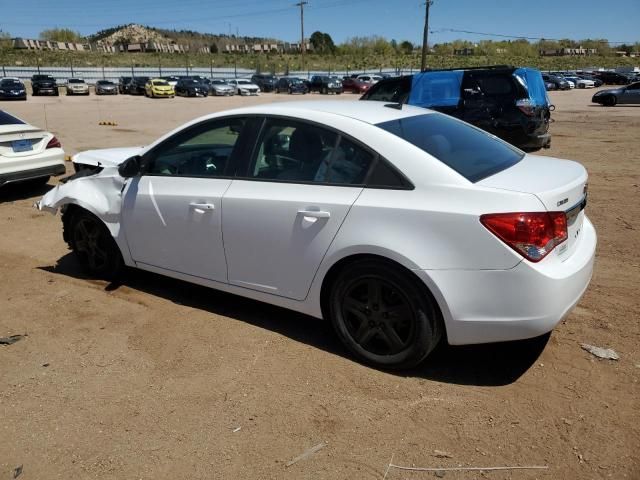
<point x="378" y="316"/>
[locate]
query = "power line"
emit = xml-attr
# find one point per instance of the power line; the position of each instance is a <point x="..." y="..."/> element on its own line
<point x="523" y="37"/>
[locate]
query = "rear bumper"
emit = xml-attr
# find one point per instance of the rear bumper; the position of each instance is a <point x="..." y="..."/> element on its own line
<point x="32" y="173"/>
<point x="484" y="306"/>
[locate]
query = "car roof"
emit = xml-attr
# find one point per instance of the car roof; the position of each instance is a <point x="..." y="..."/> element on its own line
<point x="369" y="112"/>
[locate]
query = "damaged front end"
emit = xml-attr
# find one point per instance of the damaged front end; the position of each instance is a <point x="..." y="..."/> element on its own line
<point x="98" y="189"/>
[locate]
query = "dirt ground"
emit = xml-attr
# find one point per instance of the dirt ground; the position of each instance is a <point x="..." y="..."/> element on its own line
<point x="160" y="379"/>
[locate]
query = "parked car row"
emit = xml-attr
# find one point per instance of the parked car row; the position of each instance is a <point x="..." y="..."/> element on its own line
<point x="192" y="86"/>
<point x="581" y="79"/>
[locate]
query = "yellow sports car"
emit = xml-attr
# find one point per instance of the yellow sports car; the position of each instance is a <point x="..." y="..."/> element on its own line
<point x="156" y="87"/>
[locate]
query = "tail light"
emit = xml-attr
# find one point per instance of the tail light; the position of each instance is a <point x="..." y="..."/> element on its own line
<point x="54" y="143"/>
<point x="525" y="106"/>
<point x="532" y="235"/>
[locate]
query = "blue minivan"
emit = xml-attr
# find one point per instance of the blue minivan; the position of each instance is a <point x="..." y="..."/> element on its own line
<point x="509" y="102"/>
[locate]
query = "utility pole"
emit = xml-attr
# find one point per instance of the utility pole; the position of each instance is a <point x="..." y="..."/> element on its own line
<point x="425" y="37"/>
<point x="303" y="47"/>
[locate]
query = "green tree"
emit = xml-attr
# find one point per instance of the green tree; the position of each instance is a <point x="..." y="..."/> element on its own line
<point x="61" y="35"/>
<point x="406" y="47"/>
<point x="322" y="42"/>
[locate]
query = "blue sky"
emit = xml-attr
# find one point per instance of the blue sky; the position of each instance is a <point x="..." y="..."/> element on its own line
<point x="399" y="19"/>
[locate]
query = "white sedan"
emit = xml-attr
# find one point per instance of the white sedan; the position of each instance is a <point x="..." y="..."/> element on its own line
<point x="401" y="225"/>
<point x="581" y="82"/>
<point x="243" y="86"/>
<point x="27" y="152"/>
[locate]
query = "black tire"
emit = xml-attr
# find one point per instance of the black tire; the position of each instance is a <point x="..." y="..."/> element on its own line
<point x="610" y="101"/>
<point x="383" y="315"/>
<point x="93" y="245"/>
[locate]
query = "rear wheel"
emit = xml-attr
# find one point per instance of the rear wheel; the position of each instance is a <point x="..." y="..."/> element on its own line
<point x="383" y="315"/>
<point x="94" y="246"/>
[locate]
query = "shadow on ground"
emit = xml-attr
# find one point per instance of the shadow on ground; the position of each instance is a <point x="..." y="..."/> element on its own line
<point x="23" y="190"/>
<point x="483" y="365"/>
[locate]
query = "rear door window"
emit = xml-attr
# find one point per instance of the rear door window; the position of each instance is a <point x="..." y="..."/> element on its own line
<point x="469" y="151"/>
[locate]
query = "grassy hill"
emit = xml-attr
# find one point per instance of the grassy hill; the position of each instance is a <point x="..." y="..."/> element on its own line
<point x="279" y="62"/>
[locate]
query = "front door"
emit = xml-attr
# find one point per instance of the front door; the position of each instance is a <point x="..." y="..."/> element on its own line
<point x="631" y="94"/>
<point x="172" y="214"/>
<point x="280" y="219"/>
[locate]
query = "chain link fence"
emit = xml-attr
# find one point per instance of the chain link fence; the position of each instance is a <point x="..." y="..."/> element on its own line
<point x="93" y="74"/>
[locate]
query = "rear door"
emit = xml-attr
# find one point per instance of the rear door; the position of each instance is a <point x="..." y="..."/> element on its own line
<point x="280" y="219"/>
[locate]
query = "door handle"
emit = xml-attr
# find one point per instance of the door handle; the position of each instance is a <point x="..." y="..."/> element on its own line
<point x="314" y="213"/>
<point x="203" y="206"/>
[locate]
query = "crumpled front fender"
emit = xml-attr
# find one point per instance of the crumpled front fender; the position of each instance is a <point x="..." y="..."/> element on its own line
<point x="100" y="194"/>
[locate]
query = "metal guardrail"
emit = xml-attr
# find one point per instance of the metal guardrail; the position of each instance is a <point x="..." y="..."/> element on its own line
<point x="92" y="74"/>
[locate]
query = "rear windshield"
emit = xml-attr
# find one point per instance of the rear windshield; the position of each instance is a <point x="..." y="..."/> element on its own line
<point x="6" y="119"/>
<point x="468" y="150"/>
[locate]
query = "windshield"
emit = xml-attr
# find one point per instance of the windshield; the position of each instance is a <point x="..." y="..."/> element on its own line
<point x="244" y="82"/>
<point x="104" y="82"/>
<point x="10" y="83"/>
<point x="218" y="82"/>
<point x="42" y="77"/>
<point x="469" y="151"/>
<point x="75" y="80"/>
<point x="160" y="83"/>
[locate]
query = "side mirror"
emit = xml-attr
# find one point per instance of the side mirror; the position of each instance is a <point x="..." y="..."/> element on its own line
<point x="130" y="167"/>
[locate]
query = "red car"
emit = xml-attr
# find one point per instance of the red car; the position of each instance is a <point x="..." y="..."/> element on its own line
<point x="354" y="85"/>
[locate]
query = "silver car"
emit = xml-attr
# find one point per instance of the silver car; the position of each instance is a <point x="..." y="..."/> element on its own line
<point x="220" y="87"/>
<point x="105" y="87"/>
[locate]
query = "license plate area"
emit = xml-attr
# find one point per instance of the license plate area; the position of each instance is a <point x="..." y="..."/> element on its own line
<point x="21" y="146"/>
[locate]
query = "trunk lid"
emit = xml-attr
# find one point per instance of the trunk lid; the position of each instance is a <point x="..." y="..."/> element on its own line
<point x="560" y="185"/>
<point x="22" y="140"/>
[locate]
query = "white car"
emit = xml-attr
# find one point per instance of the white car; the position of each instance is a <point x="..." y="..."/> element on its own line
<point x="399" y="224"/>
<point x="244" y="86"/>
<point x="77" y="86"/>
<point x="27" y="152"/>
<point x="581" y="82"/>
<point x="369" y="78"/>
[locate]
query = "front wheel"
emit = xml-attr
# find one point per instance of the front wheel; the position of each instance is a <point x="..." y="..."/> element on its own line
<point x="610" y="101"/>
<point x="94" y="246"/>
<point x="383" y="315"/>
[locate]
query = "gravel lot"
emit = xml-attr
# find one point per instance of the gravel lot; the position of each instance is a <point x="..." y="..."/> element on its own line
<point x="159" y="379"/>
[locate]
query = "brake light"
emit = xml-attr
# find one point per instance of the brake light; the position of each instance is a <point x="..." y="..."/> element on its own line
<point x="525" y="106"/>
<point x="54" y="143"/>
<point x="532" y="235"/>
